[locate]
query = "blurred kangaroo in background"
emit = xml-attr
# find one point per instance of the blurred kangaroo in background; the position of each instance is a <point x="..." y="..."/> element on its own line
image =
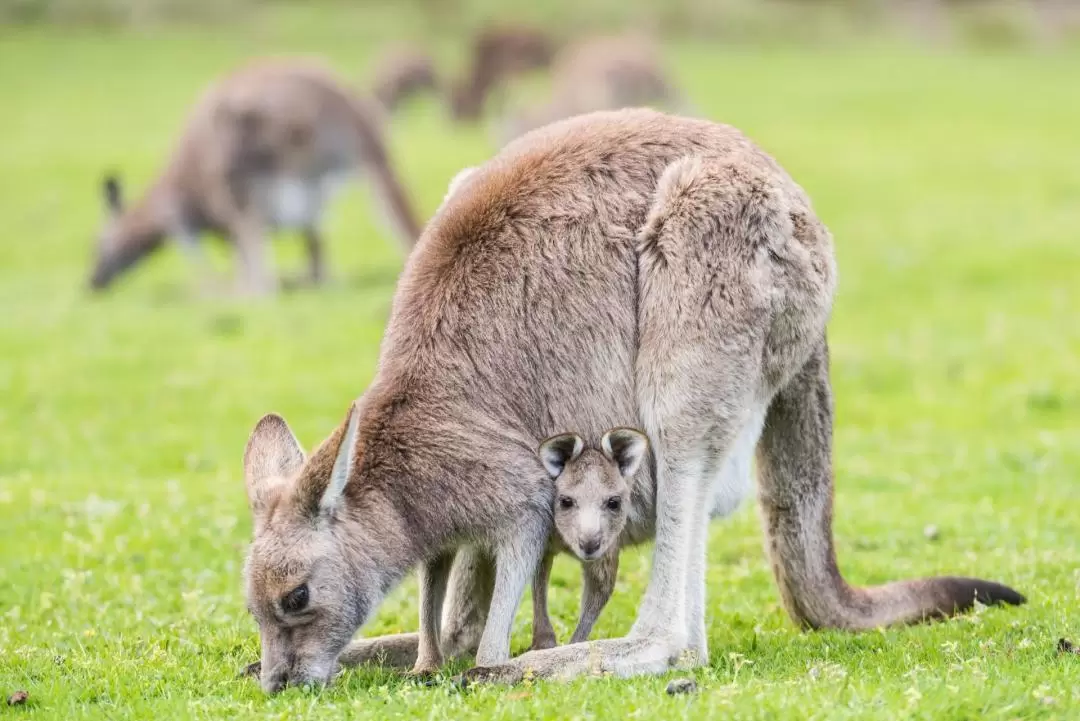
<point x="497" y="55"/>
<point x="603" y="73"/>
<point x="263" y="149"/>
<point x="401" y="73"/>
<point x="623" y="268"/>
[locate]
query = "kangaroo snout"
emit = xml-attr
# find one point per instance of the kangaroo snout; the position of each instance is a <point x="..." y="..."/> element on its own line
<point x="276" y="679"/>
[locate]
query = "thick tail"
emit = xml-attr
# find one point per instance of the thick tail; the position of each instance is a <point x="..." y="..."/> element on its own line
<point x="796" y="494"/>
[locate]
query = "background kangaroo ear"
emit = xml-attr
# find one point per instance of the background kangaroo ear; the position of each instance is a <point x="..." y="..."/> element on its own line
<point x="626" y="447"/>
<point x="114" y="196"/>
<point x="272" y="454"/>
<point x="559" y="450"/>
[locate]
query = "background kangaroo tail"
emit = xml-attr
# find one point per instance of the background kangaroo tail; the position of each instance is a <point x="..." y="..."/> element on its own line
<point x="796" y="498"/>
<point x="393" y="200"/>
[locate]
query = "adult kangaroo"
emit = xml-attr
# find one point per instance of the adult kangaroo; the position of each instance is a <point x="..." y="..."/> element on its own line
<point x="623" y="268"/>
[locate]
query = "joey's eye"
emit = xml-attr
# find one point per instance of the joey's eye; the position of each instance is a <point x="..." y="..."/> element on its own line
<point x="295" y="600"/>
<point x="613" y="504"/>
<point x="566" y="502"/>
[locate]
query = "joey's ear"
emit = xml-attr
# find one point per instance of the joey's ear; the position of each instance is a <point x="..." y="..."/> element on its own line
<point x="114" y="196"/>
<point x="321" y="487"/>
<point x="626" y="447"/>
<point x="559" y="450"/>
<point x="272" y="454"/>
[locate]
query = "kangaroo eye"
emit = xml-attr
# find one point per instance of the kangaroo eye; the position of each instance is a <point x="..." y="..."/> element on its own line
<point x="566" y="502"/>
<point x="295" y="600"/>
<point x="613" y="504"/>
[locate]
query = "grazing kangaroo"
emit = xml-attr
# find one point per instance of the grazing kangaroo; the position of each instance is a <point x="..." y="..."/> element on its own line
<point x="263" y="149"/>
<point x="604" y="73"/>
<point x="498" y="54"/>
<point x="624" y="268"/>
<point x="401" y="73"/>
<point x="593" y="502"/>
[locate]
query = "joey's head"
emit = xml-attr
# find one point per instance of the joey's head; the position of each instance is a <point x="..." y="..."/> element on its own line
<point x="311" y="582"/>
<point x="127" y="235"/>
<point x="592" y="487"/>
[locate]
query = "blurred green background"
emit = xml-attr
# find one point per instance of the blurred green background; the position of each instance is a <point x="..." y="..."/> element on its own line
<point x="940" y="145"/>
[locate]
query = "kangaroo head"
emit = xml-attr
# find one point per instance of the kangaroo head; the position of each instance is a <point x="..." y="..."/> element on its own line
<point x="126" y="236"/>
<point x="310" y="583"/>
<point x="592" y="487"/>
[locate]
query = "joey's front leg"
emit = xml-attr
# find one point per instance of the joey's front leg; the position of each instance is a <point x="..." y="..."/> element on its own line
<point x="598" y="584"/>
<point x="543" y="635"/>
<point x="515" y="563"/>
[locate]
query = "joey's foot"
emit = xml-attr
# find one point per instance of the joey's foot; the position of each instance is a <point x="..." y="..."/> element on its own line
<point x="507" y="674"/>
<point x="542" y="642"/>
<point x="252" y="669"/>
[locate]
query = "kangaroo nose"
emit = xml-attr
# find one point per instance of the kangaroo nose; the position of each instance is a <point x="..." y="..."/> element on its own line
<point x="590" y="546"/>
<point x="275" y="681"/>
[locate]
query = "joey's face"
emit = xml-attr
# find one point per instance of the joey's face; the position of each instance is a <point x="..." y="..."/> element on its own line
<point x="591" y="499"/>
<point x="592" y="487"/>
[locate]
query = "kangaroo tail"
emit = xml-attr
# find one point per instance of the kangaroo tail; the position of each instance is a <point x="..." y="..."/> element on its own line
<point x="796" y="493"/>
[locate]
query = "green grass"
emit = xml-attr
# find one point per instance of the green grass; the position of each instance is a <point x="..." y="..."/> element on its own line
<point x="951" y="185"/>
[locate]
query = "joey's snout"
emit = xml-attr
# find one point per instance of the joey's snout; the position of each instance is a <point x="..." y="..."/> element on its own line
<point x="590" y="547"/>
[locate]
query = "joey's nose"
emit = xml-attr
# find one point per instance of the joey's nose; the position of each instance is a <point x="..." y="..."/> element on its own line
<point x="590" y="546"/>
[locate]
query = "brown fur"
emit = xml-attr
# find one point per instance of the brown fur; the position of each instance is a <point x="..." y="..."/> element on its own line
<point x="259" y="151"/>
<point x="618" y="269"/>
<point x="497" y="55"/>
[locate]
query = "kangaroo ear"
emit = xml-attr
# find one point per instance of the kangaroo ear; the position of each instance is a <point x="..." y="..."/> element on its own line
<point x="343" y="464"/>
<point x="272" y="455"/>
<point x="559" y="450"/>
<point x="114" y="196"/>
<point x="626" y="447"/>
<point x="321" y="487"/>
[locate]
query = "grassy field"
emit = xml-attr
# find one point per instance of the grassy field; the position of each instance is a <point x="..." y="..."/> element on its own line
<point x="951" y="183"/>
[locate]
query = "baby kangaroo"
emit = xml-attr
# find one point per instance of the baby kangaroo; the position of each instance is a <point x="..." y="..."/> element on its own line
<point x="592" y="499"/>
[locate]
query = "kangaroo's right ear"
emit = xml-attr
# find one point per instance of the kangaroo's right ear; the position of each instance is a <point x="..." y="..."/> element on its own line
<point x="626" y="447"/>
<point x="114" y="196"/>
<point x="559" y="450"/>
<point x="272" y="455"/>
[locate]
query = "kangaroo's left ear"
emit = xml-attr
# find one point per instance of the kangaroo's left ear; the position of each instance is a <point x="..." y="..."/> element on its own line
<point x="626" y="447"/>
<point x="272" y="457"/>
<point x="559" y="450"/>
